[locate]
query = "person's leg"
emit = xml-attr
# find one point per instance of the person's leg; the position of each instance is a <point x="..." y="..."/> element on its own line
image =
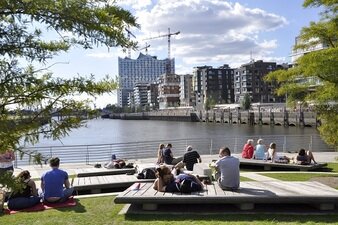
<point x="310" y="157"/>
<point x="66" y="194"/>
<point x="22" y="203"/>
<point x="176" y="160"/>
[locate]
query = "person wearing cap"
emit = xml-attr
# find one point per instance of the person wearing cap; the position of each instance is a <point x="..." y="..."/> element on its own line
<point x="55" y="184"/>
<point x="190" y="158"/>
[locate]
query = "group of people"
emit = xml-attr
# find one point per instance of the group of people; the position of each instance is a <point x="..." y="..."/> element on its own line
<point x="261" y="152"/>
<point x="165" y="156"/>
<point x="173" y="180"/>
<point x="55" y="188"/>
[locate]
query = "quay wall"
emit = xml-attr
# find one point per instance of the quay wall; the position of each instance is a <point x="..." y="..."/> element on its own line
<point x="272" y="118"/>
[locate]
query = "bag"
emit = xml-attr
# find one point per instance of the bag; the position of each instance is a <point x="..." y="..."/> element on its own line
<point x="188" y="186"/>
<point x="97" y="165"/>
<point x="148" y="173"/>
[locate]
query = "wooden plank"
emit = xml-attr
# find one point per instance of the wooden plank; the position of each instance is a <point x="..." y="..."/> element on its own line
<point x="250" y="193"/>
<point x="88" y="172"/>
<point x="218" y="190"/>
<point x="268" y="165"/>
<point x="211" y="189"/>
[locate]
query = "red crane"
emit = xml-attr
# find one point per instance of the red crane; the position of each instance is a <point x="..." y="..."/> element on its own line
<point x="168" y="69"/>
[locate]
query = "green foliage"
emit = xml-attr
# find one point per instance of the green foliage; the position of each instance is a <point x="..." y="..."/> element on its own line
<point x="314" y="79"/>
<point x="210" y="103"/>
<point x="30" y="95"/>
<point x="246" y="102"/>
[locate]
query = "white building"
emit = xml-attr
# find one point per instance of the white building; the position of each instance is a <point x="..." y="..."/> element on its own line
<point x="144" y="69"/>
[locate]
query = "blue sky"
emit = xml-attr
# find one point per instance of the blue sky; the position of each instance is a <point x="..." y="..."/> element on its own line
<point x="213" y="32"/>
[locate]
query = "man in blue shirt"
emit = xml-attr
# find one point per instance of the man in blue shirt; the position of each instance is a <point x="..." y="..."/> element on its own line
<point x="55" y="183"/>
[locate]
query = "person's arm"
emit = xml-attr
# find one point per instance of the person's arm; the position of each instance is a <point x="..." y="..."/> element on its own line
<point x="155" y="185"/>
<point x="197" y="180"/>
<point x="273" y="155"/>
<point x="67" y="184"/>
<point x="42" y="184"/>
<point x="31" y="183"/>
<point x="160" y="185"/>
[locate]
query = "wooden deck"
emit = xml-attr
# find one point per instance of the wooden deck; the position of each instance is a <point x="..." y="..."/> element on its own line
<point x="268" y="165"/>
<point x="89" y="172"/>
<point x="250" y="193"/>
<point x="96" y="184"/>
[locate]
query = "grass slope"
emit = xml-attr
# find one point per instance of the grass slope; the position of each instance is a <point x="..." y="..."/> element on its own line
<point x="102" y="210"/>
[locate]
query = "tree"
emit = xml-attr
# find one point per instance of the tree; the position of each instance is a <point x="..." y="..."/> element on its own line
<point x="246" y="102"/>
<point x="210" y="103"/>
<point x="87" y="23"/>
<point x="314" y="78"/>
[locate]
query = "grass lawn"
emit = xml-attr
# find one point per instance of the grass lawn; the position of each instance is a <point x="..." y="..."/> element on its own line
<point x="245" y="179"/>
<point x="102" y="210"/>
<point x="333" y="167"/>
<point x="301" y="176"/>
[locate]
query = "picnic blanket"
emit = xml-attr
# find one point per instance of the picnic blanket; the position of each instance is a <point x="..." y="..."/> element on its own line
<point x="44" y="206"/>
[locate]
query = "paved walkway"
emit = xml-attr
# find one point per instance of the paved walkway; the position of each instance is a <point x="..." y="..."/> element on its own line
<point x="37" y="170"/>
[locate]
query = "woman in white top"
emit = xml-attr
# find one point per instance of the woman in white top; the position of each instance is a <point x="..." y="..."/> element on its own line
<point x="6" y="161"/>
<point x="272" y="155"/>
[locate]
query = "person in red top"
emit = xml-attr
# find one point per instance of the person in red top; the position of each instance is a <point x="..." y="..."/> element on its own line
<point x="248" y="149"/>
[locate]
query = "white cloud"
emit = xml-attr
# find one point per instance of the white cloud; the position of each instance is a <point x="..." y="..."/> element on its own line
<point x="134" y="4"/>
<point x="102" y="55"/>
<point x="212" y="31"/>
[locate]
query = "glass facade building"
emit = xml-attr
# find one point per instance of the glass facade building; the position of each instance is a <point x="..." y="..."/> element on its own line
<point x="144" y="69"/>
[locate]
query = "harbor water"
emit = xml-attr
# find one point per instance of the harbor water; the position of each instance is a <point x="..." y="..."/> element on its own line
<point x="137" y="139"/>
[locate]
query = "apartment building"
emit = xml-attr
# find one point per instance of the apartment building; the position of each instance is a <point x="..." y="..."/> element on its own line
<point x="248" y="79"/>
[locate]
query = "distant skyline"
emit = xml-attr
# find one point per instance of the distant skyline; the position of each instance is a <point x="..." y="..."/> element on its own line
<point x="213" y="32"/>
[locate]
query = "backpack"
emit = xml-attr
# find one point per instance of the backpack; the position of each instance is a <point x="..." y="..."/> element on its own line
<point x="147" y="173"/>
<point x="188" y="186"/>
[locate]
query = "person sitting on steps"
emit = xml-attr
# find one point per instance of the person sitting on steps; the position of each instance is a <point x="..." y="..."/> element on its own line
<point x="305" y="157"/>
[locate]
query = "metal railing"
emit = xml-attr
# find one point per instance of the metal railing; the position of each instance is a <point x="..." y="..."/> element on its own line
<point x="148" y="149"/>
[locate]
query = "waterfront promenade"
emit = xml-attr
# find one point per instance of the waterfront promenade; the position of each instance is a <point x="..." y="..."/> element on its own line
<point x="37" y="170"/>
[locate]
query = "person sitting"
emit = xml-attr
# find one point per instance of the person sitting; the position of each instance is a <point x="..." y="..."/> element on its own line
<point x="190" y="158"/>
<point x="260" y="150"/>
<point x="305" y="157"/>
<point x="168" y="156"/>
<point x="160" y="159"/>
<point x="248" y="149"/>
<point x="25" y="198"/>
<point x="6" y="161"/>
<point x="55" y="184"/>
<point x="274" y="157"/>
<point x="227" y="168"/>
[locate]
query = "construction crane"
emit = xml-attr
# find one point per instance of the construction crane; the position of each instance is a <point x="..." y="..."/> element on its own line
<point x="168" y="66"/>
<point x="146" y="48"/>
<point x="129" y="33"/>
